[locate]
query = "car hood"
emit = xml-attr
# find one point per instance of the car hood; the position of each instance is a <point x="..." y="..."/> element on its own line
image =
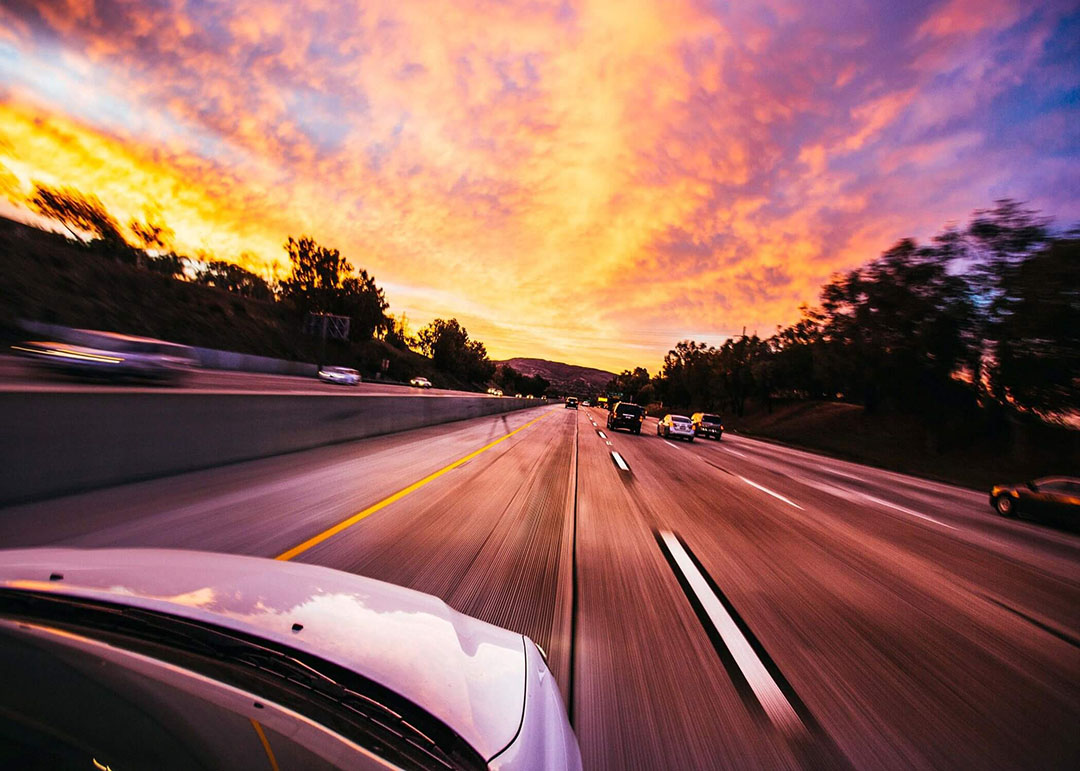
<point x="468" y="673"/>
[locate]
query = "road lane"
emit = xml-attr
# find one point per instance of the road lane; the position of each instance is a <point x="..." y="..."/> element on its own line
<point x="260" y="507"/>
<point x="650" y="691"/>
<point x="907" y="643"/>
<point x="899" y="642"/>
<point x="488" y="532"/>
<point x="493" y="538"/>
<point x="16" y="374"/>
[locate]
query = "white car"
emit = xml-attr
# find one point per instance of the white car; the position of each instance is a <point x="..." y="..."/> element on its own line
<point x="154" y="658"/>
<point x="339" y="375"/>
<point x="675" y="426"/>
<point x="420" y="382"/>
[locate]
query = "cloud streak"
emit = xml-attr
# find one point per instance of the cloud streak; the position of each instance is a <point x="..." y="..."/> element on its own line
<point x="584" y="181"/>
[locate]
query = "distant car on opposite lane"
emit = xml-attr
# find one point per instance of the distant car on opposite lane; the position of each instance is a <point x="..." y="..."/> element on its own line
<point x="168" y="659"/>
<point x="1046" y="497"/>
<point x="675" y="427"/>
<point x="112" y="356"/>
<point x="707" y="425"/>
<point x="571" y="403"/>
<point x="420" y="382"/>
<point x="339" y="375"/>
<point x="626" y="415"/>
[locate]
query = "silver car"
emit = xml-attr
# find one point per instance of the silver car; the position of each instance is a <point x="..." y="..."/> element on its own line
<point x="144" y="658"/>
<point x="339" y="375"/>
<point x="675" y="426"/>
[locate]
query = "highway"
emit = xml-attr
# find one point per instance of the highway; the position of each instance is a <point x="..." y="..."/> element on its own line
<point x="18" y="375"/>
<point x="704" y="605"/>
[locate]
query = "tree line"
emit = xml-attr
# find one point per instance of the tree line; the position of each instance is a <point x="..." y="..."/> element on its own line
<point x="982" y="318"/>
<point x="320" y="279"/>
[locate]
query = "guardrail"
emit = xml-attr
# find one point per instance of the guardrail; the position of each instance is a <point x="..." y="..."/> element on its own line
<point x="56" y="443"/>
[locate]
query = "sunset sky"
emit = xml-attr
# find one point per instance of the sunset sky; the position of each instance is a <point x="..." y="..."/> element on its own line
<point x="582" y="181"/>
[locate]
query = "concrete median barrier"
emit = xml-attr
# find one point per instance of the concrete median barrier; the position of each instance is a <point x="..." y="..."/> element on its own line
<point x="56" y="443"/>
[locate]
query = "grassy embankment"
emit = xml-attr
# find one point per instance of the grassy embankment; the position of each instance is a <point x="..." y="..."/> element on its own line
<point x="902" y="443"/>
<point x="47" y="278"/>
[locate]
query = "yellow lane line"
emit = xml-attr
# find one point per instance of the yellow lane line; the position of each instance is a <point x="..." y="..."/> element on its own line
<point x="347" y="523"/>
<point x="265" y="744"/>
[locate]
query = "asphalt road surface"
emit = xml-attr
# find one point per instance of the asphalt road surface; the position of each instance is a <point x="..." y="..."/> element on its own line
<point x="17" y="374"/>
<point x="705" y="605"/>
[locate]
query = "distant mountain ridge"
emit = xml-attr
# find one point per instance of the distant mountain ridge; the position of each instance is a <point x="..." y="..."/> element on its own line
<point x="566" y="378"/>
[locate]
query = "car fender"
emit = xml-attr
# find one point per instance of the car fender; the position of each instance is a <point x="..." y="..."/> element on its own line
<point x="545" y="740"/>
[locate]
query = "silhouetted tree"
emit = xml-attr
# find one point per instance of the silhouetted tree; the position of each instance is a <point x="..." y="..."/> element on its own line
<point x="233" y="278"/>
<point x="1036" y="363"/>
<point x="513" y="382"/>
<point x="321" y="281"/>
<point x="448" y="345"/>
<point x="152" y="234"/>
<point x="169" y="264"/>
<point x="364" y="302"/>
<point x="76" y="212"/>
<point x="629" y="383"/>
<point x="396" y="332"/>
<point x="317" y="273"/>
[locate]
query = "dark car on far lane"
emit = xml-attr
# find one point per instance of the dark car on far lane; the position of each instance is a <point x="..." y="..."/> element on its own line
<point x="571" y="403"/>
<point x="626" y="415"/>
<point x="707" y="425"/>
<point x="1046" y="497"/>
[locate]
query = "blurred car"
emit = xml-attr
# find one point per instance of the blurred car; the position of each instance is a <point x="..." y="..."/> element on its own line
<point x="495" y="392"/>
<point x="420" y="382"/>
<point x="339" y="375"/>
<point x="571" y="403"/>
<point x="707" y="425"/>
<point x="626" y="415"/>
<point x="167" y="659"/>
<point x="586" y="403"/>
<point x="1046" y="497"/>
<point x="517" y="396"/>
<point x="112" y="356"/>
<point x="675" y="426"/>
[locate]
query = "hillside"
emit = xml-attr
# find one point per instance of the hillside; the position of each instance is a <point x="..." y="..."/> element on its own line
<point x="1019" y="451"/>
<point x="565" y="378"/>
<point x="48" y="278"/>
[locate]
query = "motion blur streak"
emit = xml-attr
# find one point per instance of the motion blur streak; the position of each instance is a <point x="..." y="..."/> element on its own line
<point x="909" y="645"/>
<point x="330" y="532"/>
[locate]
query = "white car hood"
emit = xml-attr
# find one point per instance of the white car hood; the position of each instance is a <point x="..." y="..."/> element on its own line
<point x="468" y="673"/>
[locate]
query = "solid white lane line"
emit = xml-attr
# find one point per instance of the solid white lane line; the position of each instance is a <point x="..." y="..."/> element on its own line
<point x="735" y="452"/>
<point x="898" y="507"/>
<point x="619" y="460"/>
<point x="839" y="473"/>
<point x="776" y="495"/>
<point x="669" y="444"/>
<point x="857" y="495"/>
<point x="772" y="699"/>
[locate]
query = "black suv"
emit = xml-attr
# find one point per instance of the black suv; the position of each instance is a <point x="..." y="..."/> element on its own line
<point x="626" y="415"/>
<point x="571" y="403"/>
<point x="707" y="425"/>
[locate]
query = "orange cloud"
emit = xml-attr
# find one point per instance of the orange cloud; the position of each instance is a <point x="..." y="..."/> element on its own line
<point x="584" y="181"/>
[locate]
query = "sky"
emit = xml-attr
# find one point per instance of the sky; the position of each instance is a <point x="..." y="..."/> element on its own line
<point x="588" y="182"/>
